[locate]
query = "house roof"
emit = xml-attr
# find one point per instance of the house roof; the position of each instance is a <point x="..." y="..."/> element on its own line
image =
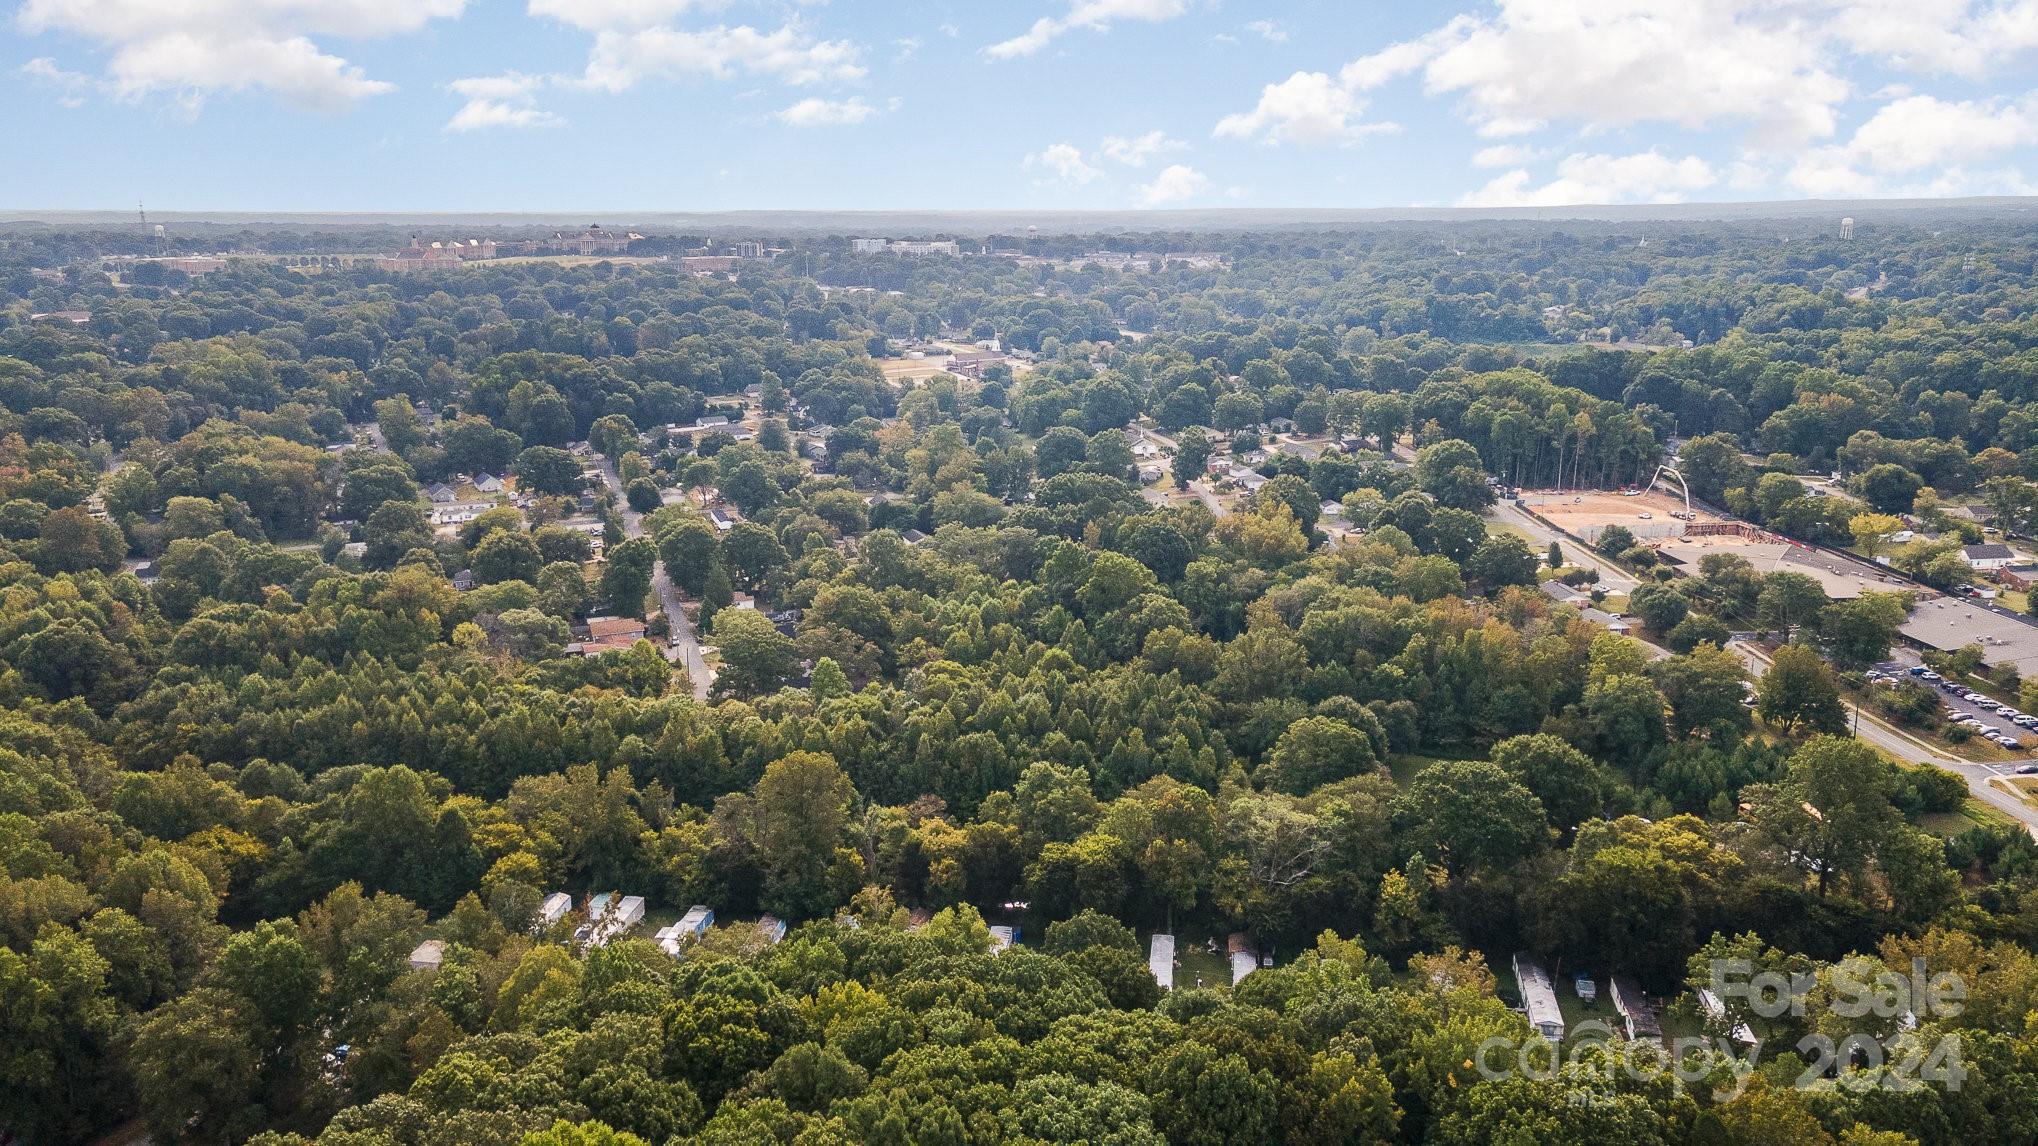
<point x="599" y="628"/>
<point x="1988" y="551"/>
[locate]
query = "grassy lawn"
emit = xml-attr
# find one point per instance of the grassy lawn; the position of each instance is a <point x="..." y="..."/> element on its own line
<point x="1972" y="814"/>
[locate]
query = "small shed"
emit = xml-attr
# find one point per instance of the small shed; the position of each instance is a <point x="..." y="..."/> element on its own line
<point x="771" y="927"/>
<point x="428" y="955"/>
<point x="1002" y="938"/>
<point x="555" y="908"/>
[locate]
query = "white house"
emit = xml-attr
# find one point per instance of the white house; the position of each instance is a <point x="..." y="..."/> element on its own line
<point x="1988" y="556"/>
<point x="555" y="908"/>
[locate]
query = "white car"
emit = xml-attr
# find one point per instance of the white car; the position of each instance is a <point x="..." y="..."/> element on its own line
<point x="1973" y="698"/>
<point x="1646" y="515"/>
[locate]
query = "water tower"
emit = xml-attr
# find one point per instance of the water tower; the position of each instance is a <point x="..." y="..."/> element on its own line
<point x="1846" y="228"/>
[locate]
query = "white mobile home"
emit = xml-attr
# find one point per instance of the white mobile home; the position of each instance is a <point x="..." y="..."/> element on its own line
<point x="1160" y="959"/>
<point x="556" y="906"/>
<point x="1538" y="997"/>
<point x="1634" y="1009"/>
<point x="1716" y="1015"/>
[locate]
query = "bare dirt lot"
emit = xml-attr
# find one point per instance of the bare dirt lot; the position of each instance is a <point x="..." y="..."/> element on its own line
<point x="1585" y="513"/>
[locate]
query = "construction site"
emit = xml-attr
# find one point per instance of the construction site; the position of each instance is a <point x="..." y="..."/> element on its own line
<point x="1683" y="537"/>
<point x="1651" y="515"/>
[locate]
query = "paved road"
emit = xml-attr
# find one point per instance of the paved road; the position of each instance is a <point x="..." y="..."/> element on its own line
<point x="1985" y="782"/>
<point x="686" y="651"/>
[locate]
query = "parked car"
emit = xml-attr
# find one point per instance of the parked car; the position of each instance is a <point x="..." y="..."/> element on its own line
<point x="1930" y="677"/>
<point x="1973" y="697"/>
<point x="2027" y="769"/>
<point x="1918" y="670"/>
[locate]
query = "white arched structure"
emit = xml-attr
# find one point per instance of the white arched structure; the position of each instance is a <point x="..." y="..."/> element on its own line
<point x="1671" y="472"/>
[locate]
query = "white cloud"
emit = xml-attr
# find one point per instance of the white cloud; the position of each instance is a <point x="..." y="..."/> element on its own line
<point x="1956" y="37"/>
<point x="1646" y="177"/>
<point x="1307" y="107"/>
<point x="1915" y="134"/>
<point x="622" y="59"/>
<point x="507" y="100"/>
<point x="611" y="15"/>
<point x="1775" y="71"/>
<point x="816" y="112"/>
<point x="1689" y="62"/>
<point x="1134" y="152"/>
<point x="191" y="49"/>
<point x="71" y="87"/>
<point x="1271" y="31"/>
<point x="1173" y="185"/>
<point x="1096" y="15"/>
<point x="1503" y="155"/>
<point x="1064" y="163"/>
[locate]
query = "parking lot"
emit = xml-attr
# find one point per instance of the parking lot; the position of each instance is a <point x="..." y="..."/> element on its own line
<point x="1956" y="706"/>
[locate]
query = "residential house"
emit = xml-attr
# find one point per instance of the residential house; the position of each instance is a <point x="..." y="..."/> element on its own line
<point x="1160" y="959"/>
<point x="1634" y="1009"/>
<point x="1608" y="621"/>
<point x="1538" y="997"/>
<point x="1244" y="960"/>
<point x="1565" y="595"/>
<point x="1988" y="556"/>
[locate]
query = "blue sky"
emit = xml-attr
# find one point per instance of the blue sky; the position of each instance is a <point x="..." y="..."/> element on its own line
<point x="751" y="104"/>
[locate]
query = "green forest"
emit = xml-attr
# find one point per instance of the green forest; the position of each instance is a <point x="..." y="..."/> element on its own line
<point x="348" y="617"/>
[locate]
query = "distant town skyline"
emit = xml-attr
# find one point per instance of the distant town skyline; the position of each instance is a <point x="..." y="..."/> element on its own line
<point x="533" y="105"/>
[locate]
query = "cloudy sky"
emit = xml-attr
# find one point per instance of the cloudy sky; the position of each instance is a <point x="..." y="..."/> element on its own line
<point x="731" y="104"/>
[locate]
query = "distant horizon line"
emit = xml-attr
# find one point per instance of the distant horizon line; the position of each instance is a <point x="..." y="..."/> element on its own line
<point x="815" y="217"/>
